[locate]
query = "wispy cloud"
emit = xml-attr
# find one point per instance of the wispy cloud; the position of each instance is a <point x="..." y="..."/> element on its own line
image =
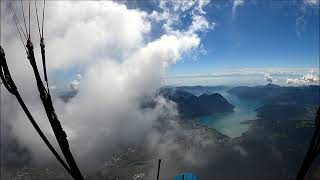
<point x="312" y="2"/>
<point x="307" y="8"/>
<point x="236" y="4"/>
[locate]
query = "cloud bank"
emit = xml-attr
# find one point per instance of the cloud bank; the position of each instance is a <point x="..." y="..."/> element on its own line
<point x="245" y="77"/>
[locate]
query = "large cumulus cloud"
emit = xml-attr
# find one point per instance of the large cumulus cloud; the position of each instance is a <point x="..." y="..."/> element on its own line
<point x="121" y="68"/>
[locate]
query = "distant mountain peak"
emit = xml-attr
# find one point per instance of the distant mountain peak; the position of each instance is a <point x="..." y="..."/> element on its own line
<point x="270" y="85"/>
<point x="192" y="106"/>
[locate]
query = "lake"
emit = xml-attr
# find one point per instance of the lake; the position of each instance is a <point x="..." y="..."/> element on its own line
<point x="230" y="123"/>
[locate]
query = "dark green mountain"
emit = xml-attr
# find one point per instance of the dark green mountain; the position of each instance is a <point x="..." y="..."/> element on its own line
<point x="190" y="106"/>
<point x="306" y="95"/>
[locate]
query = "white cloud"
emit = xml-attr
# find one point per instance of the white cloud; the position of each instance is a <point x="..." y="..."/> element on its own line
<point x="267" y="77"/>
<point x="312" y="2"/>
<point x="74" y="84"/>
<point x="293" y="81"/>
<point x="236" y="4"/>
<point x="172" y="11"/>
<point x="104" y="28"/>
<point x="310" y="77"/>
<point x="79" y="76"/>
<point x="199" y="23"/>
<point x="121" y="69"/>
<point x="53" y="87"/>
<point x="201" y="5"/>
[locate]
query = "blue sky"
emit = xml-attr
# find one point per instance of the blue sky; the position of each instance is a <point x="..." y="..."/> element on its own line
<point x="265" y="36"/>
<point x="262" y="34"/>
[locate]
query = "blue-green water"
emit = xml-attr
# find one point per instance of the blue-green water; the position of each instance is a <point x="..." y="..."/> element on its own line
<point x="229" y="123"/>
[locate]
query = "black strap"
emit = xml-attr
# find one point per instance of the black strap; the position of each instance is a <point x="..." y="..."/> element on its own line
<point x="18" y="26"/>
<point x="43" y="57"/>
<point x="53" y="119"/>
<point x="43" y="10"/>
<point x="158" y="172"/>
<point x="29" y="33"/>
<point x="42" y="45"/>
<point x="313" y="150"/>
<point x="24" y="18"/>
<point x="45" y="98"/>
<point x="11" y="87"/>
<point x="35" y="4"/>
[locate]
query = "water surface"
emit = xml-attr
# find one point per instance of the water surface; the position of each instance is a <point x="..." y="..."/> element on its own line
<point x="230" y="123"/>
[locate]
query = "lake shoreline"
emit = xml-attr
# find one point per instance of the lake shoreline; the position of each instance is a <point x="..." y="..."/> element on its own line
<point x="232" y="124"/>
